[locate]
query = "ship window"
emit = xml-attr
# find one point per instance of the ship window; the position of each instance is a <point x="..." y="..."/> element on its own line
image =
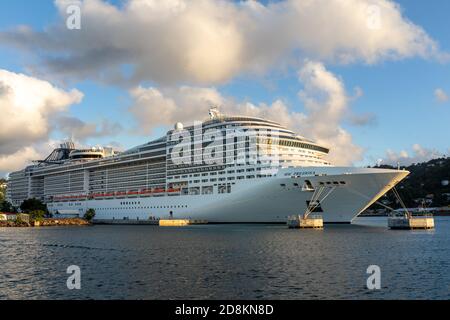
<point x="342" y="182"/>
<point x="207" y="190"/>
<point x="194" y="190"/>
<point x="283" y="185"/>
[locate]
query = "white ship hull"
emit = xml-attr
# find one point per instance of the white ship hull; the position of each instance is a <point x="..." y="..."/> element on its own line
<point x="268" y="200"/>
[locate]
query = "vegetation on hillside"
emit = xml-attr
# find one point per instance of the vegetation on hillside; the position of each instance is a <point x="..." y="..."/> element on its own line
<point x="2" y="190"/>
<point x="33" y="204"/>
<point x="5" y="206"/>
<point x="37" y="215"/>
<point x="427" y="183"/>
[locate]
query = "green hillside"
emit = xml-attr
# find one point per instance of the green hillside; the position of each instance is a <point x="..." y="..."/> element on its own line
<point x="428" y="181"/>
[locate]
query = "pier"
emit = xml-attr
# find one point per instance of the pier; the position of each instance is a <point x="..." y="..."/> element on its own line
<point x="151" y="222"/>
<point x="409" y="222"/>
<point x="126" y="222"/>
<point x="180" y="222"/>
<point x="308" y="222"/>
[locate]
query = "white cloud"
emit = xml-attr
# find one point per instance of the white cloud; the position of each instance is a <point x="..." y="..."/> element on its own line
<point x="440" y="95"/>
<point x="23" y="156"/>
<point x="17" y="160"/>
<point x="326" y="102"/>
<point x="162" y="107"/>
<point x="419" y="154"/>
<point x="324" y="97"/>
<point x="26" y="107"/>
<point x="212" y="41"/>
<point x="80" y="130"/>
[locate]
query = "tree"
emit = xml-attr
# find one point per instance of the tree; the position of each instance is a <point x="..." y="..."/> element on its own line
<point x="425" y="179"/>
<point x="2" y="190"/>
<point x="33" y="204"/>
<point x="90" y="214"/>
<point x="5" y="206"/>
<point x="37" y="215"/>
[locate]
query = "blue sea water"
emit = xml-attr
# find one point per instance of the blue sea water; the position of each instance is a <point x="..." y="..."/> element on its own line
<point x="226" y="262"/>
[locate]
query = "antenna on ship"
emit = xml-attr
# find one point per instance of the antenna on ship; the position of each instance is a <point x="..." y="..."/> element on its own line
<point x="214" y="113"/>
<point x="68" y="144"/>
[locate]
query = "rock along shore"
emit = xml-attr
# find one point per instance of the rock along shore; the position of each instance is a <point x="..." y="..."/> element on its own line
<point x="46" y="223"/>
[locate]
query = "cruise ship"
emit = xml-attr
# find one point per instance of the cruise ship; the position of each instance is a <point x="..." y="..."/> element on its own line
<point x="226" y="169"/>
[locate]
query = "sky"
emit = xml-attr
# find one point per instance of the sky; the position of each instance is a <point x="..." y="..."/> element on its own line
<point x="367" y="78"/>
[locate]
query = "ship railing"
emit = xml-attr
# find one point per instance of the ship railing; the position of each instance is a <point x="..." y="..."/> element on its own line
<point x="69" y="197"/>
<point x="403" y="214"/>
<point x="124" y="194"/>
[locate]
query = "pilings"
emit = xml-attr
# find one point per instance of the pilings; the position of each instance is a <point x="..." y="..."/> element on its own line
<point x="409" y="222"/>
<point x="305" y="222"/>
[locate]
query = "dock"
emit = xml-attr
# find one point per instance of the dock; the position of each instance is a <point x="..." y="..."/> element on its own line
<point x="180" y="222"/>
<point x="308" y="222"/>
<point x="125" y="222"/>
<point x="152" y="222"/>
<point x="408" y="222"/>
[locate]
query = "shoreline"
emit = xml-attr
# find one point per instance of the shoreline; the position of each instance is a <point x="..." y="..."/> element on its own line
<point x="49" y="222"/>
